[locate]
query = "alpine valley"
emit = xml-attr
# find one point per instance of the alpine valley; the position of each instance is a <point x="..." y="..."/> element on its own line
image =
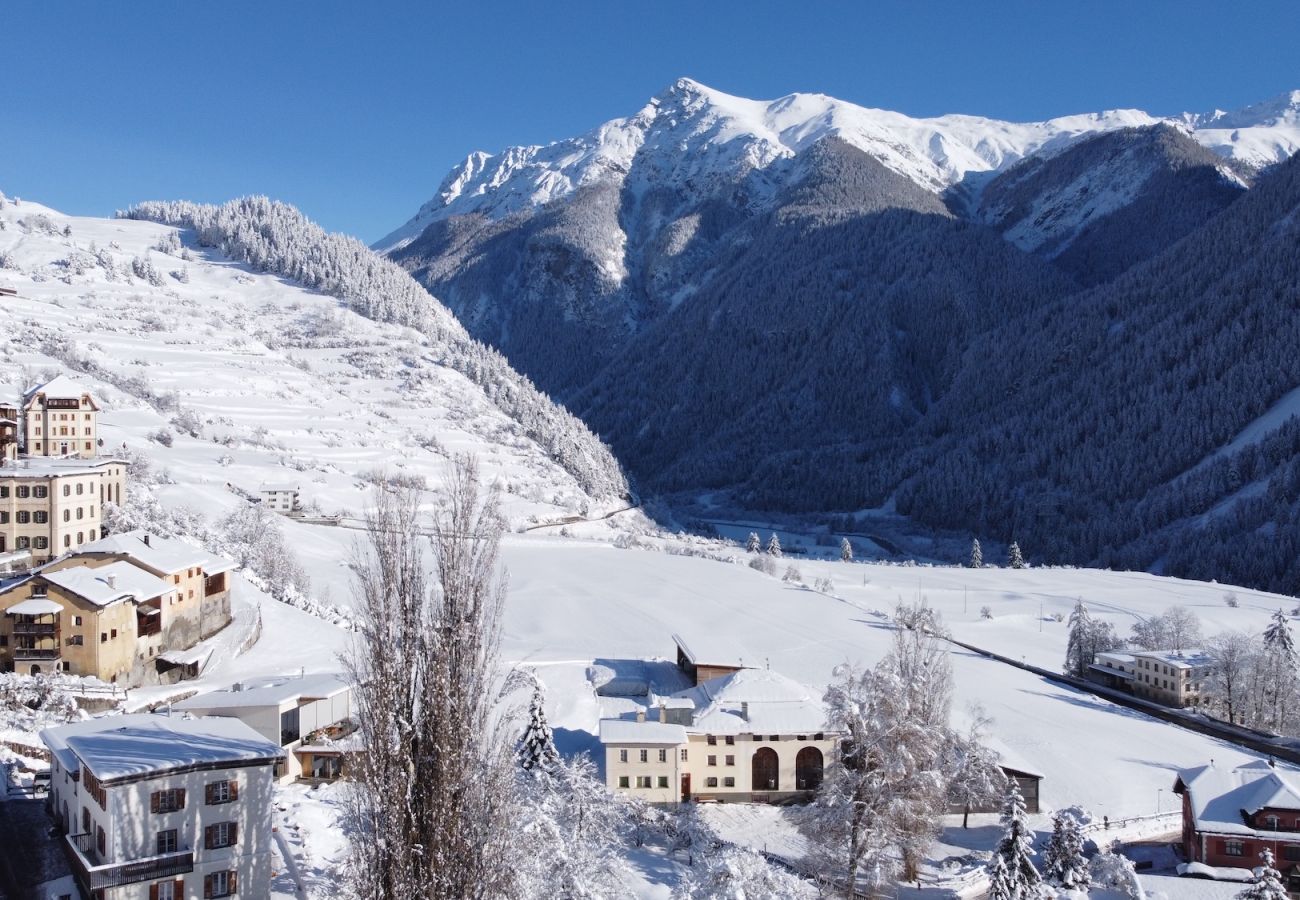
<point x="1078" y="334"/>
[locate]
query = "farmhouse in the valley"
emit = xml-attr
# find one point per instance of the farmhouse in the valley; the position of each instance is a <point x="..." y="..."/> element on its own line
<point x="1170" y="677"/>
<point x="1230" y="815"/>
<point x="748" y="735"/>
<point x="161" y="807"/>
<point x="309" y="716"/>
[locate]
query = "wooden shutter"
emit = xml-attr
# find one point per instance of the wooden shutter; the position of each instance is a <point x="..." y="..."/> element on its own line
<point x="179" y="890"/>
<point x="234" y="833"/>
<point x="153" y="892"/>
<point x="234" y="789"/>
<point x="155" y="801"/>
<point x="207" y="838"/>
<point x="207" y="885"/>
<point x="180" y="798"/>
<point x="208" y="793"/>
<point x="234" y="881"/>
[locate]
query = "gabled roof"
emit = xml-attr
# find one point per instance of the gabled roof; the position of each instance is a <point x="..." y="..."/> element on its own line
<point x="628" y="731"/>
<point x="159" y="554"/>
<point x="757" y="701"/>
<point x="1221" y="798"/>
<point x="129" y="582"/>
<point x="144" y="744"/>
<point x="59" y="388"/>
<point x="713" y="650"/>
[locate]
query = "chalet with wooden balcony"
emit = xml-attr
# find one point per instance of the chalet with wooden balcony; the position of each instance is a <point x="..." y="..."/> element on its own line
<point x="200" y="606"/>
<point x="163" y="807"/>
<point x="1231" y="814"/>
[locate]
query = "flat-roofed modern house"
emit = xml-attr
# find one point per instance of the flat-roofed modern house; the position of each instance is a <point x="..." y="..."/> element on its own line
<point x="280" y="498"/>
<point x="60" y="418"/>
<point x="157" y="807"/>
<point x="1231" y="814"/>
<point x="751" y="735"/>
<point x="309" y="716"/>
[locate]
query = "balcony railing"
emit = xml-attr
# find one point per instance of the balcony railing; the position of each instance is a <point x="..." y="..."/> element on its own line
<point x="34" y="653"/>
<point x="35" y="628"/>
<point x="94" y="876"/>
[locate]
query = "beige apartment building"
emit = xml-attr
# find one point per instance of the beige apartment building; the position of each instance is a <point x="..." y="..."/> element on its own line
<point x="1171" y="677"/>
<point x="59" y="418"/>
<point x="750" y="735"/>
<point x="52" y="506"/>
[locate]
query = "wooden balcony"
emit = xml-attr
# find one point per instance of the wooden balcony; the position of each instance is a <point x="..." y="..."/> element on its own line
<point x="49" y="628"/>
<point x="94" y="875"/>
<point x="35" y="653"/>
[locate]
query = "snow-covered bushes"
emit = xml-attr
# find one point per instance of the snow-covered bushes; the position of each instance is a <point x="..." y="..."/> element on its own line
<point x="254" y="539"/>
<point x="275" y="237"/>
<point x="764" y="564"/>
<point x="1113" y="871"/>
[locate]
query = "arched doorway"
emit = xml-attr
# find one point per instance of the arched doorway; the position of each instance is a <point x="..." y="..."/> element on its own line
<point x="766" y="767"/>
<point x="36" y="670"/>
<point x="808" y="766"/>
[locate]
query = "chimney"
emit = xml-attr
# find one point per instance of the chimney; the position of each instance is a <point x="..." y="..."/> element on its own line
<point x="663" y="713"/>
<point x="744" y="710"/>
<point x="112" y="581"/>
<point x="1272" y="763"/>
<point x="640" y="715"/>
<point x="146" y="539"/>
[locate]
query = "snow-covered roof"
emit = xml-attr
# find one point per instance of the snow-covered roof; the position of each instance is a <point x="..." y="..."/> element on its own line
<point x="59" y="388"/>
<point x="54" y="466"/>
<point x="129" y="582"/>
<point x="755" y="701"/>
<point x="133" y="746"/>
<point x="186" y="657"/>
<point x="8" y="422"/>
<point x="715" y="649"/>
<point x="628" y="731"/>
<point x="1113" y="656"/>
<point x="35" y="606"/>
<point x="1178" y="659"/>
<point x="271" y="692"/>
<point x="1222" y="797"/>
<point x="277" y="488"/>
<point x="165" y="555"/>
<point x="1009" y="758"/>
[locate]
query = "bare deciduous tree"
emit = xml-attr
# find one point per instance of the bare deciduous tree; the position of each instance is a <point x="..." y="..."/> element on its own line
<point x="433" y="795"/>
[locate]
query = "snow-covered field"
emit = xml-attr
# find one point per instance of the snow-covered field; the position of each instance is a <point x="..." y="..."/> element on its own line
<point x="285" y="386"/>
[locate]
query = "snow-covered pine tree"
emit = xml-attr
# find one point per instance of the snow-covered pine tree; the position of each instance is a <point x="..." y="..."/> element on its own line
<point x="536" y="752"/>
<point x="846" y="550"/>
<point x="774" y="546"/>
<point x="976" y="554"/>
<point x="1268" y="884"/>
<point x="752" y="544"/>
<point x="1063" y="862"/>
<point x="1278" y="639"/>
<point x="1078" y="647"/>
<point x="1015" y="559"/>
<point x="1012" y="875"/>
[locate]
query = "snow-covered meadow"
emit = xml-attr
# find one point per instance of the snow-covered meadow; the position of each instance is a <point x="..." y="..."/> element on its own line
<point x="253" y="379"/>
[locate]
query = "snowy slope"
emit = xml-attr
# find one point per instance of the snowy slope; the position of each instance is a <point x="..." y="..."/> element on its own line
<point x="278" y="382"/>
<point x="694" y="135"/>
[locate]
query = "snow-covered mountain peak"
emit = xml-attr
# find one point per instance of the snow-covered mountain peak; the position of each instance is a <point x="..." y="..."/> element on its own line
<point x="694" y="136"/>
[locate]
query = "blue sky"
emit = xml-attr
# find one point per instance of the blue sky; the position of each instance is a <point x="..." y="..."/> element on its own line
<point x="355" y="111"/>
